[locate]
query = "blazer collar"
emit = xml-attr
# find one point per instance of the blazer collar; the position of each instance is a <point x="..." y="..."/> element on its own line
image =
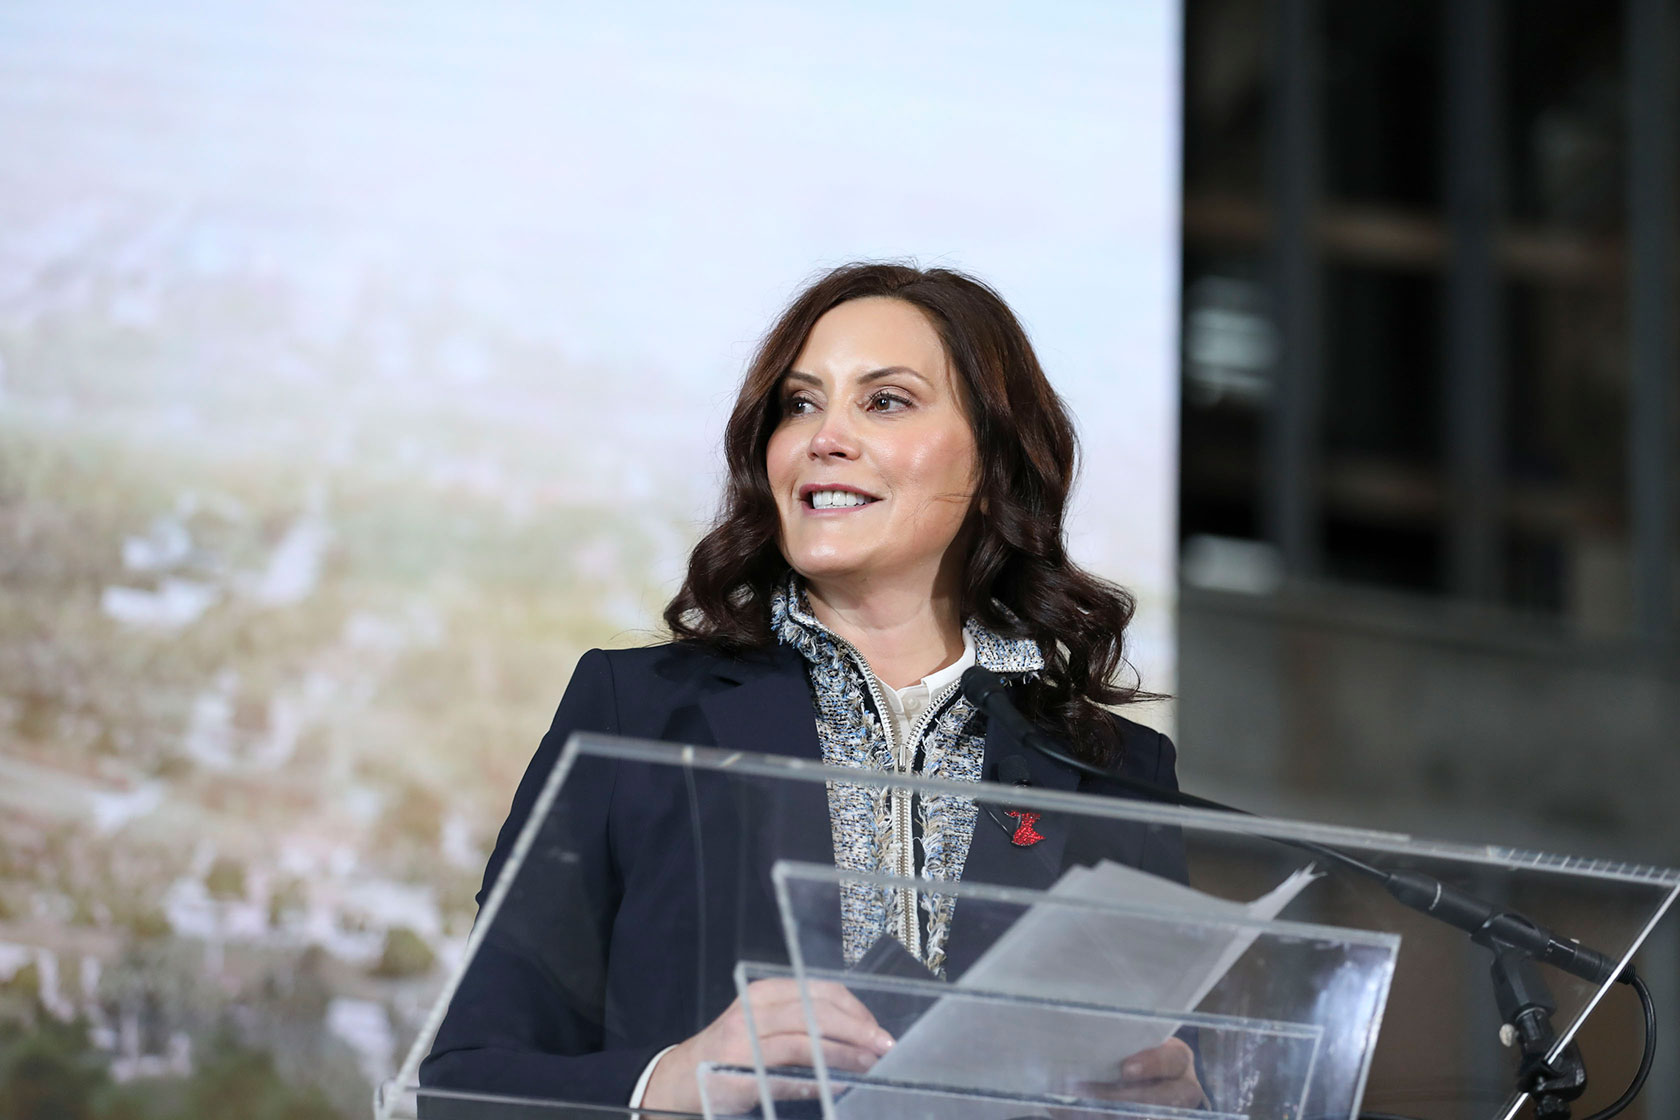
<point x="795" y="625"/>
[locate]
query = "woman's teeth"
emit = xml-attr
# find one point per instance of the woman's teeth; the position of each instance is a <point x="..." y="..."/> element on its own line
<point x="836" y="499"/>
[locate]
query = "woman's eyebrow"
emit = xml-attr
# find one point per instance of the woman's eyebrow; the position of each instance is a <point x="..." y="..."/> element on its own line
<point x="866" y="379"/>
<point x="892" y="371"/>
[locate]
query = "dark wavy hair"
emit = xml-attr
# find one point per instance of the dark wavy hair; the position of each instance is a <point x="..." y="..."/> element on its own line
<point x="1017" y="579"/>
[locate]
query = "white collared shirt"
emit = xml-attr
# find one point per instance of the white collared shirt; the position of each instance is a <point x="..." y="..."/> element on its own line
<point x="908" y="704"/>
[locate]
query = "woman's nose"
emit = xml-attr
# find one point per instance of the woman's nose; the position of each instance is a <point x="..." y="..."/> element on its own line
<point x="836" y="437"/>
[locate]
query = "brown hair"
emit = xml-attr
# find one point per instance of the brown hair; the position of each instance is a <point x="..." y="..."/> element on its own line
<point x="1017" y="556"/>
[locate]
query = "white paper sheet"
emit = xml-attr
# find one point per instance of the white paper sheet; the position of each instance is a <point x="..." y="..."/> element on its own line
<point x="1081" y="955"/>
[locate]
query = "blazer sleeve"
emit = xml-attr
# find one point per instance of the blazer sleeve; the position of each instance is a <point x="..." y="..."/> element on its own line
<point x="527" y="1019"/>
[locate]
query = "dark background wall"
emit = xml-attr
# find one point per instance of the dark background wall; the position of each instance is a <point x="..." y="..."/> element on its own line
<point x="1428" y="512"/>
<point x="1429" y="574"/>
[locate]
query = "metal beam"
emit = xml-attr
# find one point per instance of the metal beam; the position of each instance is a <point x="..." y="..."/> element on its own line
<point x="1653" y="60"/>
<point x="1292" y="494"/>
<point x="1474" y="420"/>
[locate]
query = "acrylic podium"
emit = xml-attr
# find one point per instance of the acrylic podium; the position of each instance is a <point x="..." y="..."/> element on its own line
<point x="1107" y="926"/>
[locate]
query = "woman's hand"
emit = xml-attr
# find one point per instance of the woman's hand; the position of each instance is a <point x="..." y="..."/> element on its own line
<point x="851" y="1041"/>
<point x="1164" y="1074"/>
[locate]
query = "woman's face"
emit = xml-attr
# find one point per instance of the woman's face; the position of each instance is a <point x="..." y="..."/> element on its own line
<point x="872" y="463"/>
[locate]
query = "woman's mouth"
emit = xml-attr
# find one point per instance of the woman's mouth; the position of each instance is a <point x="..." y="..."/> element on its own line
<point x="835" y="499"/>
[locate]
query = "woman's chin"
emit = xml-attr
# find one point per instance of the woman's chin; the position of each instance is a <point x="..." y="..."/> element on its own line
<point x="863" y="577"/>
<point x="839" y="567"/>
<point x="828" y="569"/>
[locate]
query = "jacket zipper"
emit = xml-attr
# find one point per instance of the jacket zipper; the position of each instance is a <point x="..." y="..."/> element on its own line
<point x="909" y="931"/>
<point x="935" y="707"/>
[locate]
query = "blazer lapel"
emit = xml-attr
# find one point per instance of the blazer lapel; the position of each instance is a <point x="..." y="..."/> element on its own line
<point x="993" y="857"/>
<point x="768" y="711"/>
<point x="765" y="708"/>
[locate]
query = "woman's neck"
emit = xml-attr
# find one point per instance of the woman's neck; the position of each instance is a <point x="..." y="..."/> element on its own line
<point x="903" y="635"/>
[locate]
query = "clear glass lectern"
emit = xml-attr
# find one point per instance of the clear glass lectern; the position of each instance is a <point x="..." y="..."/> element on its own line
<point x="1081" y="930"/>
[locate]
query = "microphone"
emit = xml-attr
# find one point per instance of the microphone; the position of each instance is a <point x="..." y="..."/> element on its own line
<point x="1013" y="771"/>
<point x="986" y="691"/>
<point x="1496" y="927"/>
<point x="1486" y="923"/>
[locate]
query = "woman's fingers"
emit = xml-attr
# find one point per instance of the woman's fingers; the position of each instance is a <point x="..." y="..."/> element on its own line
<point x="851" y="1039"/>
<point x="1161" y="1075"/>
<point x="841" y="998"/>
<point x="832" y="1027"/>
<point x="1180" y="1092"/>
<point x="795" y="1050"/>
<point x="765" y="993"/>
<point x="1172" y="1059"/>
<point x="775" y="1010"/>
<point x="1164" y="1074"/>
<point x="839" y="1018"/>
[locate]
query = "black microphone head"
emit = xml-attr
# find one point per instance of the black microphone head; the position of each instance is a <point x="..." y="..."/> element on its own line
<point x="1013" y="771"/>
<point x="980" y="685"/>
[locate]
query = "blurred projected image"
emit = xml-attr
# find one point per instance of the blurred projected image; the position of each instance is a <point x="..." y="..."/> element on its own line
<point x="360" y="366"/>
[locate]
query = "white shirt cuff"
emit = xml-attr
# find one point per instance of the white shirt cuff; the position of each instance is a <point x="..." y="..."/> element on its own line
<point x="647" y="1075"/>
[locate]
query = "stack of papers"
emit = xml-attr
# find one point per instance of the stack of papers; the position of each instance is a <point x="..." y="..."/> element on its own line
<point x="1135" y="958"/>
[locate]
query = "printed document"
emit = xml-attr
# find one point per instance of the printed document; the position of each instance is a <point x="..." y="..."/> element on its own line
<point x="1103" y="940"/>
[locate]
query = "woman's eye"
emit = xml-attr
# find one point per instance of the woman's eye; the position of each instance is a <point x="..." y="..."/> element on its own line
<point x="888" y="402"/>
<point x="797" y="406"/>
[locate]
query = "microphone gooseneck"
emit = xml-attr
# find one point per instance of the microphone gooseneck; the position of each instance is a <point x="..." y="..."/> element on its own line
<point x="1487" y="924"/>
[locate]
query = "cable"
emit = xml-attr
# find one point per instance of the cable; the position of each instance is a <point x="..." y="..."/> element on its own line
<point x="981" y="687"/>
<point x="1487" y="924"/>
<point x="1632" y="978"/>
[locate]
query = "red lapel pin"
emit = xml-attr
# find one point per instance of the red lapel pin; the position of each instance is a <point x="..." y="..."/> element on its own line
<point x="1026" y="835"/>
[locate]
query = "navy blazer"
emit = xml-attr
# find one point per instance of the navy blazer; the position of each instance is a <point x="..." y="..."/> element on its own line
<point x="620" y="936"/>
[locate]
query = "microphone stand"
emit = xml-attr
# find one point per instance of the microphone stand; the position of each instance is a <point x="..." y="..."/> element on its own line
<point x="1525" y="1009"/>
<point x="1525" y="1003"/>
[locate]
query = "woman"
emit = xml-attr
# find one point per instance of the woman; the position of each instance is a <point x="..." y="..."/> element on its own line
<point x="899" y="469"/>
